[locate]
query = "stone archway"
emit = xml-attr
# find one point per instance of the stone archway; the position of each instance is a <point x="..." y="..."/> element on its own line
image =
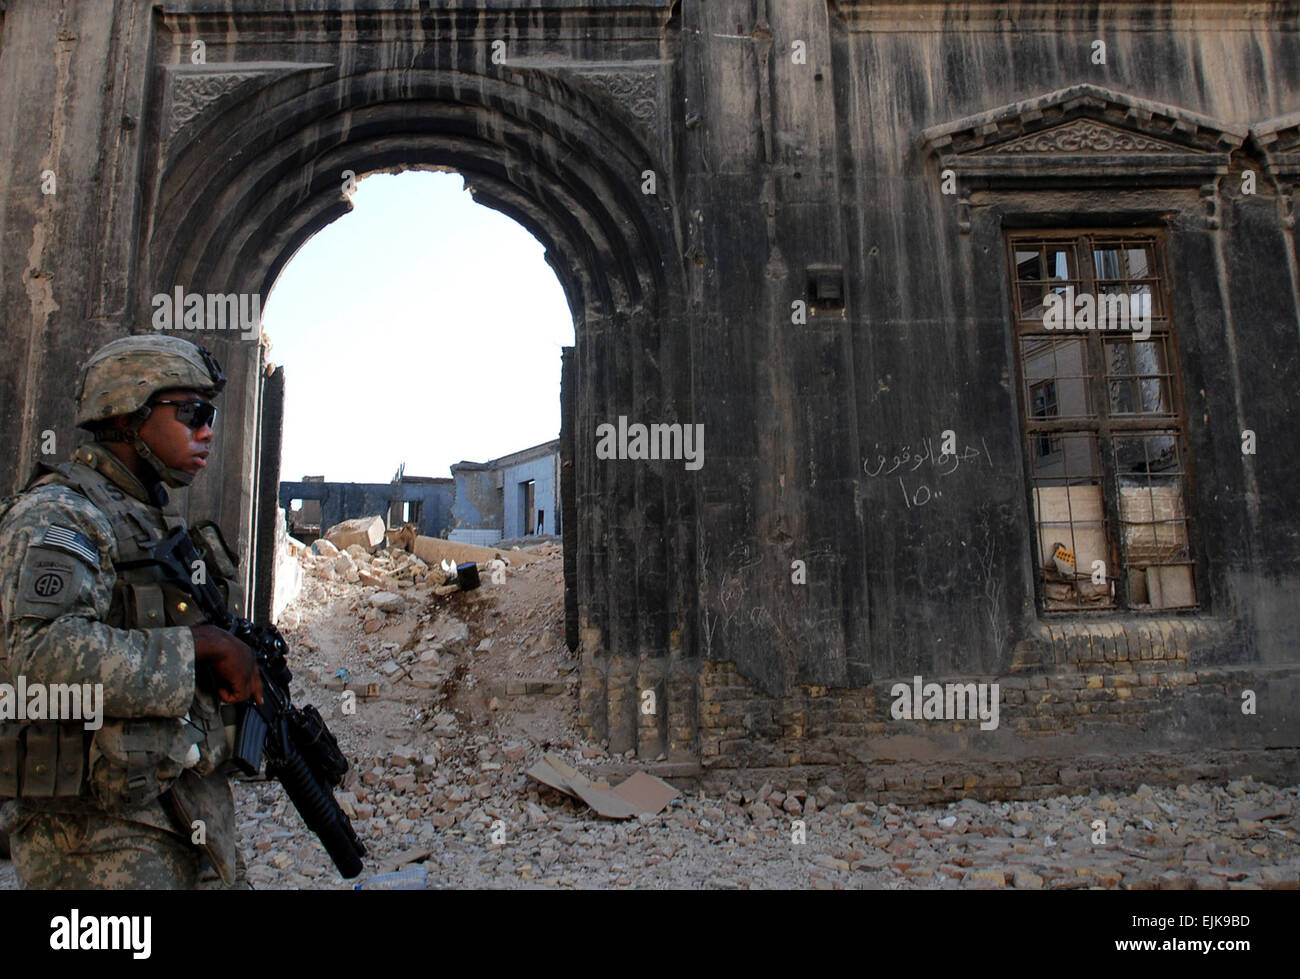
<point x="800" y="284"/>
<point x="252" y="162"/>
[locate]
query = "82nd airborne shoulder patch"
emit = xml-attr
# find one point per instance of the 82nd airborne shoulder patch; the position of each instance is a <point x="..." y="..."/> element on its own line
<point x="57" y="570"/>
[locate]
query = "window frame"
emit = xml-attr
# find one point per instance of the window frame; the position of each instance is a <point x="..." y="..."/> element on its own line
<point x="1101" y="422"/>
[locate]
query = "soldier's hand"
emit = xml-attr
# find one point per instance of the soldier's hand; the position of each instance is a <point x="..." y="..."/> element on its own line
<point x="231" y="661"/>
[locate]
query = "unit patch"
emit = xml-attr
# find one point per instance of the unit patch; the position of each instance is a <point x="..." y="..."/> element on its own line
<point x="51" y="582"/>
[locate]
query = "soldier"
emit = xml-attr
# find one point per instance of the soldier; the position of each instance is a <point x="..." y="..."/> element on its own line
<point x="144" y="801"/>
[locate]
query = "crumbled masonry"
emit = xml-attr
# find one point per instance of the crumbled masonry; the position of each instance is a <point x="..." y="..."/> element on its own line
<point x="819" y="236"/>
<point x="457" y="697"/>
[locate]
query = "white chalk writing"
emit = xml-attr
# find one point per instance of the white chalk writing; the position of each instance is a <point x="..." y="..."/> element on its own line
<point x="905" y="460"/>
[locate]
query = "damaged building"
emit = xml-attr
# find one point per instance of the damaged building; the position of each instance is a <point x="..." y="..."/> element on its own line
<point x="514" y="496"/>
<point x="314" y="504"/>
<point x="987" y="317"/>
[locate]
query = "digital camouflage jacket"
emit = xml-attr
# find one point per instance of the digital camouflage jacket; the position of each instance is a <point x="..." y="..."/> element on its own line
<point x="80" y="604"/>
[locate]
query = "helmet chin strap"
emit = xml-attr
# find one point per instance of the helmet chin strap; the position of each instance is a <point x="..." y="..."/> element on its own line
<point x="174" y="478"/>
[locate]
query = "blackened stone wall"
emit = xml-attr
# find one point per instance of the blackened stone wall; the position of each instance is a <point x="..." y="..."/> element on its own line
<point x="743" y="201"/>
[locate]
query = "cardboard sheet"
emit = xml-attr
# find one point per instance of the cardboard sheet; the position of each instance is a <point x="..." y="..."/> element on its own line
<point x="640" y="795"/>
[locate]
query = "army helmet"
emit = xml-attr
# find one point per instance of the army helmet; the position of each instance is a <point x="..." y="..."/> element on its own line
<point x="121" y="376"/>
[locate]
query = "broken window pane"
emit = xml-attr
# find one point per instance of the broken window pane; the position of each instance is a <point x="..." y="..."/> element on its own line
<point x="1117" y="259"/>
<point x="1107" y="263"/>
<point x="1138" y="261"/>
<point x="1058" y="260"/>
<point x="1071" y="525"/>
<point x="1103" y="492"/>
<point x="1139" y="381"/>
<point x="1154" y="521"/>
<point x="1141" y="305"/>
<point x="1043" y="405"/>
<point x="1042" y="268"/>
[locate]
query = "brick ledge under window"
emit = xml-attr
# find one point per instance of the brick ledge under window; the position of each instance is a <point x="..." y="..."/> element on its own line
<point x="1149" y="639"/>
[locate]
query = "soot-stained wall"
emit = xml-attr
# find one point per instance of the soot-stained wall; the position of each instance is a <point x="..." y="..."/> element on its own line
<point x="344" y="501"/>
<point x="782" y="225"/>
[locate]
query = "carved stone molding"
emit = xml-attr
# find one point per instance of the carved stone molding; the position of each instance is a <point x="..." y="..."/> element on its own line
<point x="192" y="89"/>
<point x="1174" y="128"/>
<point x="1084" y="136"/>
<point x="1278" y="141"/>
<point x="637" y="91"/>
<point x="633" y="89"/>
<point x="189" y="94"/>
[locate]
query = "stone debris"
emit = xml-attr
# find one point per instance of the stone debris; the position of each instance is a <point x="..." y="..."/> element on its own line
<point x="552" y="841"/>
<point x="346" y="568"/>
<point x="366" y="533"/>
<point x="403" y="537"/>
<point x="444" y="727"/>
<point x="388" y="602"/>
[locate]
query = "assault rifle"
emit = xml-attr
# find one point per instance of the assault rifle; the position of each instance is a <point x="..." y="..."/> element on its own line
<point x="299" y="749"/>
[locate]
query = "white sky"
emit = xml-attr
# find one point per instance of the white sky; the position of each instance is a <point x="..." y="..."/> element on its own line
<point x="421" y="327"/>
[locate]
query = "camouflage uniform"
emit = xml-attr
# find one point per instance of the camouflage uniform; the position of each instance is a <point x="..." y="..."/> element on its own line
<point x="74" y="611"/>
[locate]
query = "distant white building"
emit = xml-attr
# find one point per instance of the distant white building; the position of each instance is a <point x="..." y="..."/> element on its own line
<point x="517" y="495"/>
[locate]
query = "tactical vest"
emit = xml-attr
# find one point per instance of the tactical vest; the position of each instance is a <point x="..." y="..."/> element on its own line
<point x="128" y="762"/>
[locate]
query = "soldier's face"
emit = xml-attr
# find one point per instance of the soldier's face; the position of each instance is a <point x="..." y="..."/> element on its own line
<point x="174" y="442"/>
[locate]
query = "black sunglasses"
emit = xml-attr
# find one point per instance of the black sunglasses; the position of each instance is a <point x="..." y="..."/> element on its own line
<point x="192" y="414"/>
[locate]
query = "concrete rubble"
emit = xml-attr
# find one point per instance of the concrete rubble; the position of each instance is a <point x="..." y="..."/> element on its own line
<point x="457" y="697"/>
<point x="364" y="532"/>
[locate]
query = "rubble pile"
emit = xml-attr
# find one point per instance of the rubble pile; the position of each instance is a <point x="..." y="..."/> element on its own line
<point x="444" y="701"/>
<point x="464" y="810"/>
<point x="459" y="695"/>
<point x="390" y="571"/>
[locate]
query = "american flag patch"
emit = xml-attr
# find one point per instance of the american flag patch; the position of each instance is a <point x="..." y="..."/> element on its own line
<point x="72" y="541"/>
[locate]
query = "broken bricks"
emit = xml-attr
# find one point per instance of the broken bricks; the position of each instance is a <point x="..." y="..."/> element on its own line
<point x="324" y="548"/>
<point x="346" y="568"/>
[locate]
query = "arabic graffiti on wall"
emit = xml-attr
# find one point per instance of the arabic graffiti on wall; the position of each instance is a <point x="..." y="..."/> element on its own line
<point x="917" y="470"/>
